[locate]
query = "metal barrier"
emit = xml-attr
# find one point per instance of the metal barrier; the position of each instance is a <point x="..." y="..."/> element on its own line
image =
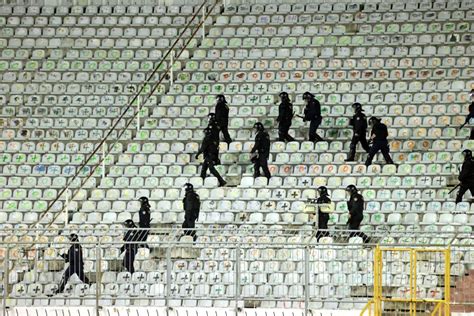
<point x="219" y="270"/>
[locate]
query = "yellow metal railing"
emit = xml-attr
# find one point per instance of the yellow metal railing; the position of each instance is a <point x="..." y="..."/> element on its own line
<point x="442" y="306"/>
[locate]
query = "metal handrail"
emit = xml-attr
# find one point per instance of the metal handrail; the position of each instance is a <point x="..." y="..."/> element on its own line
<point x="103" y="141"/>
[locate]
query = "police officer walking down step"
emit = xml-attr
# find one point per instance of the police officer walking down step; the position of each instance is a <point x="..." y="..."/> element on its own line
<point x="261" y="151"/>
<point x="312" y="113"/>
<point x="144" y="219"/>
<point x="359" y="128"/>
<point x="214" y="127"/>
<point x="355" y="205"/>
<point x="466" y="176"/>
<point x="285" y="115"/>
<point x="191" y="206"/>
<point x="379" y="136"/>
<point x="76" y="263"/>
<point x="323" y="217"/>
<point x="470" y="117"/>
<point x="131" y="237"/>
<point x="210" y="149"/>
<point x="222" y="117"/>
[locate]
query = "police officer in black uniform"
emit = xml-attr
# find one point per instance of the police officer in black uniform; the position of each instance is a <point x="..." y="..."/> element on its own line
<point x="191" y="206"/>
<point x="76" y="263"/>
<point x="210" y="149"/>
<point x="145" y="220"/>
<point x="355" y="205"/>
<point x="222" y="117"/>
<point x="359" y="127"/>
<point x="214" y="127"/>
<point x="261" y="151"/>
<point x="285" y="115"/>
<point x="323" y="218"/>
<point x="312" y="113"/>
<point x="466" y="176"/>
<point x="469" y="117"/>
<point x="131" y="237"/>
<point x="379" y="136"/>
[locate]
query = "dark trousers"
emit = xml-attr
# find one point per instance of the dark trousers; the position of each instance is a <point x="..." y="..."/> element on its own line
<point x="463" y="189"/>
<point x="354" y="224"/>
<point x="129" y="258"/>
<point x="313" y="127"/>
<point x="261" y="162"/>
<point x="323" y="220"/>
<point x="472" y="134"/>
<point x="379" y="145"/>
<point x="209" y="164"/>
<point x="143" y="237"/>
<point x="225" y="132"/>
<point x="283" y="129"/>
<point x="356" y="139"/>
<point x="190" y="232"/>
<point x="70" y="271"/>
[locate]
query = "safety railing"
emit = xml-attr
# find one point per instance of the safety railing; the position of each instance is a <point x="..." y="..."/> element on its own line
<point x="229" y="272"/>
<point x="102" y="148"/>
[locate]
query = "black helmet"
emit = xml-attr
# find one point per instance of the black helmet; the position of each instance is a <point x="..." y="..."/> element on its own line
<point x="373" y="120"/>
<point x="283" y="95"/>
<point x="258" y="126"/>
<point x="467" y="153"/>
<point x="207" y="131"/>
<point x="308" y="95"/>
<point x="129" y="223"/>
<point x="144" y="200"/>
<point x="322" y="190"/>
<point x="73" y="237"/>
<point x="188" y="187"/>
<point x="357" y="106"/>
<point x="221" y="98"/>
<point x="351" y="189"/>
<point x="211" y="116"/>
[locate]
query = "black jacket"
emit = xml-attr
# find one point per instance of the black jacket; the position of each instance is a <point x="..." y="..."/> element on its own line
<point x="380" y="131"/>
<point x="359" y="123"/>
<point x="144" y="214"/>
<point x="74" y="256"/>
<point x="323" y="200"/>
<point x="312" y="111"/>
<point x="355" y="206"/>
<point x="466" y="175"/>
<point x="131" y="236"/>
<point x="214" y="130"/>
<point x="262" y="144"/>
<point x="210" y="148"/>
<point x="222" y="113"/>
<point x="285" y="113"/>
<point x="191" y="206"/>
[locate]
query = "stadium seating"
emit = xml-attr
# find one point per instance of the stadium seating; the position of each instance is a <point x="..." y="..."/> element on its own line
<point x="66" y="73"/>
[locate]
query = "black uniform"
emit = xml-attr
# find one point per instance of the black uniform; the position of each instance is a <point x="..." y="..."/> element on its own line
<point x="145" y="222"/>
<point x="355" y="206"/>
<point x="222" y="119"/>
<point x="215" y="130"/>
<point x="323" y="218"/>
<point x="359" y="127"/>
<point x="210" y="149"/>
<point x="191" y="206"/>
<point x="380" y="143"/>
<point x="469" y="117"/>
<point x="76" y="265"/>
<point x="312" y="113"/>
<point x="285" y="115"/>
<point x="130" y="248"/>
<point x="466" y="177"/>
<point x="262" y="147"/>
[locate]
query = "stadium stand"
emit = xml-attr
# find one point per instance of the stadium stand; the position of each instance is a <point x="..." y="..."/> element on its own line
<point x="67" y="72"/>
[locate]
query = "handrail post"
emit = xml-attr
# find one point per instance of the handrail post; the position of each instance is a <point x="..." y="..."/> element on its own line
<point x="5" y="279"/>
<point x="306" y="281"/>
<point x="237" y="277"/>
<point x="98" y="280"/>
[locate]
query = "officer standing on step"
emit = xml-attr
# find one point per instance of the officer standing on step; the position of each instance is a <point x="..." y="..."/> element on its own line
<point x="191" y="206"/>
<point x="323" y="217"/>
<point x="210" y="149"/>
<point x="261" y="151"/>
<point x="469" y="117"/>
<point x="222" y="117"/>
<point x="214" y="127"/>
<point x="312" y="113"/>
<point x="355" y="205"/>
<point x="76" y="263"/>
<point x="379" y="136"/>
<point x="145" y="220"/>
<point x="285" y="115"/>
<point x="466" y="176"/>
<point x="359" y="128"/>
<point x="131" y="237"/>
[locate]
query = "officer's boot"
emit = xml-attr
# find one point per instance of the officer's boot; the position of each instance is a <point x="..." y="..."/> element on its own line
<point x="319" y="138"/>
<point x="351" y="155"/>
<point x="472" y="134"/>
